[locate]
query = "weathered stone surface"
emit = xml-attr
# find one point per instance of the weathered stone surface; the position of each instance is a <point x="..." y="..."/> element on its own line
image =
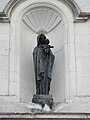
<point x="46" y="108"/>
<point x="78" y="108"/>
<point x="34" y="107"/>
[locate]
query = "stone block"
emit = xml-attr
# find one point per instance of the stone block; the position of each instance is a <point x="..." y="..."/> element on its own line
<point x="4" y="86"/>
<point x="4" y="28"/>
<point x="4" y="63"/>
<point x="83" y="66"/>
<point x="82" y="45"/>
<point x="43" y="99"/>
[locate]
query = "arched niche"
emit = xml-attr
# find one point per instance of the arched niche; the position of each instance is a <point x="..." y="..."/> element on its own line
<point x="23" y="39"/>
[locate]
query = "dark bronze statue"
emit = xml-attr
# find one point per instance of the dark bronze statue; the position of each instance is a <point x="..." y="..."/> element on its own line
<point x="43" y="63"/>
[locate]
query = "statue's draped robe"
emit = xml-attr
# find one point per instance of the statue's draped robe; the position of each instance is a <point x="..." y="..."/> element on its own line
<point x="43" y="68"/>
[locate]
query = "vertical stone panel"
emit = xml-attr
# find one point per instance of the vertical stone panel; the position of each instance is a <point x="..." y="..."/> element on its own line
<point x="4" y="58"/>
<point x="82" y="39"/>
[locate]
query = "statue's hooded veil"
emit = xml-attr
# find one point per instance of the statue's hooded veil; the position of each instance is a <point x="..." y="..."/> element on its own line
<point x="40" y="62"/>
<point x="39" y="37"/>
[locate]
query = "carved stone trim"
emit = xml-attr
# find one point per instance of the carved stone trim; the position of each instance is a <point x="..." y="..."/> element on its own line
<point x="42" y="19"/>
<point x="4" y="18"/>
<point x="78" y="15"/>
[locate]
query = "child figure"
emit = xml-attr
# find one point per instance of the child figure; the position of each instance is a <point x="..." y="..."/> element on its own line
<point x="46" y="47"/>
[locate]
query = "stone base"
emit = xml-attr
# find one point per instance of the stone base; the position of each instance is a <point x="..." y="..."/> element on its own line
<point x="43" y="99"/>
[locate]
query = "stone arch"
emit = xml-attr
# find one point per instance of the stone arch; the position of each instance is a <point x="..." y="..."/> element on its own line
<point x="70" y="3"/>
<point x="67" y="88"/>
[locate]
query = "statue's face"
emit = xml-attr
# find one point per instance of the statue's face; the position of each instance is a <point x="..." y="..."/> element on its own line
<point x="42" y="39"/>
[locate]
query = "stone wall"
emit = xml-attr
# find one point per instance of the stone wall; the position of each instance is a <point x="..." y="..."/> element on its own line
<point x="71" y="40"/>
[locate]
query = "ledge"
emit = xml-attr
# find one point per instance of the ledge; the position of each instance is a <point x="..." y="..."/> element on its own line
<point x="79" y="108"/>
<point x="45" y="116"/>
<point x="4" y="18"/>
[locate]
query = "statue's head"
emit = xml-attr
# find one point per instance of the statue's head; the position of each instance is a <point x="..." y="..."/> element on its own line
<point x="40" y="39"/>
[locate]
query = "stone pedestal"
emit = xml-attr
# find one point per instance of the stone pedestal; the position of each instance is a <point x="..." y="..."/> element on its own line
<point x="43" y="99"/>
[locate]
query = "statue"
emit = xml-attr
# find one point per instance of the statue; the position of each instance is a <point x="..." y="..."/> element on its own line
<point x="43" y="63"/>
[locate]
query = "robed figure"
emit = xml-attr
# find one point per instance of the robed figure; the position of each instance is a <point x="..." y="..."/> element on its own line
<point x="43" y="63"/>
